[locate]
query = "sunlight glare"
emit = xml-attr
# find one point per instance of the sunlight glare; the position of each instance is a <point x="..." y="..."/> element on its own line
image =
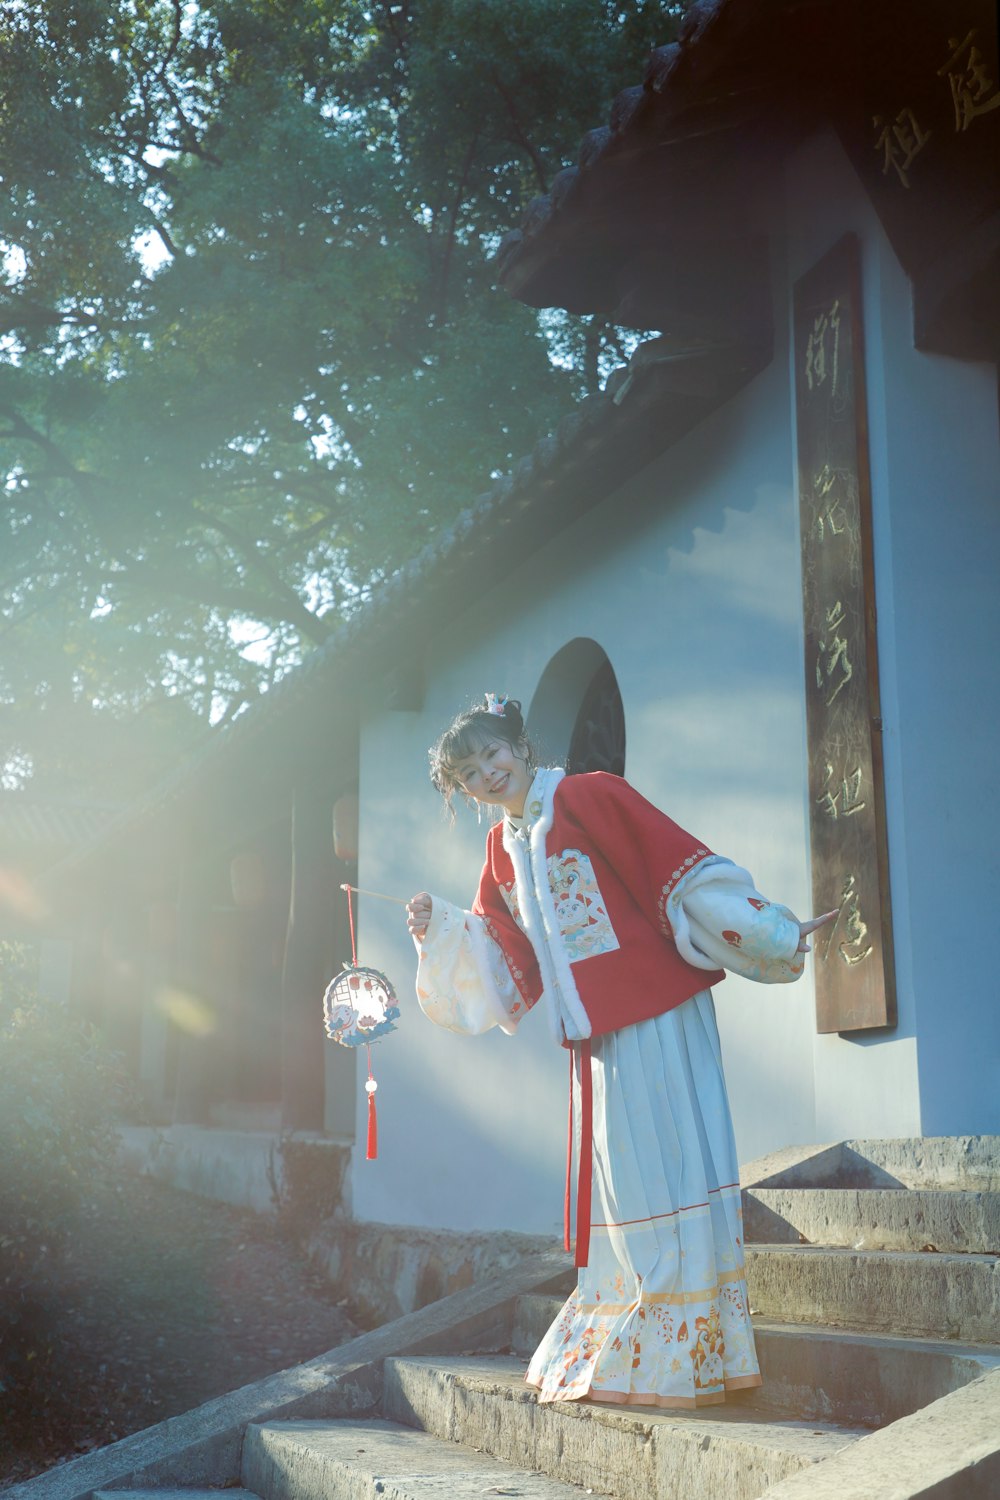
<point x="189" y="1013"/>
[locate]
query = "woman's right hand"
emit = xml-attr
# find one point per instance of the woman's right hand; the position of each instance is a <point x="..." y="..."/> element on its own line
<point x="805" y="928"/>
<point x="418" y="913"/>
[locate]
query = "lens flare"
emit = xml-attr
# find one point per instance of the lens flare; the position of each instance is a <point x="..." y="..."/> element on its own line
<point x="189" y="1013"/>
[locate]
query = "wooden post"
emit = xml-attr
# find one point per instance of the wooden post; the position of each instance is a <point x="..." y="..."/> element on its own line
<point x="855" y="986"/>
<point x="308" y="960"/>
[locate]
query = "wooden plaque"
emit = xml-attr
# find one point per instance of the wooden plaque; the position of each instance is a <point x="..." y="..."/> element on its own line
<point x="921" y="123"/>
<point x="855" y="982"/>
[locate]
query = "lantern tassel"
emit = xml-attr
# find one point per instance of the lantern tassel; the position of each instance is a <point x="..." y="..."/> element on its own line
<point x="371" y="1153"/>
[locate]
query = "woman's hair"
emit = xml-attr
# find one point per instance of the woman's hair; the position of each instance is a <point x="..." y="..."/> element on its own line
<point x="492" y="719"/>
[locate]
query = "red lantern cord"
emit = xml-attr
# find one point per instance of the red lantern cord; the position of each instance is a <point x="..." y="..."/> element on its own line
<point x="371" y="1152"/>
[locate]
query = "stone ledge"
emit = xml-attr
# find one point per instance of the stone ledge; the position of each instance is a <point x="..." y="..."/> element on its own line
<point x="393" y="1269"/>
<point x="949" y="1451"/>
<point x="967" y="1163"/>
<point x="877" y="1291"/>
<point x="388" y="1269"/>
<point x="873" y="1218"/>
<point x="259" y="1169"/>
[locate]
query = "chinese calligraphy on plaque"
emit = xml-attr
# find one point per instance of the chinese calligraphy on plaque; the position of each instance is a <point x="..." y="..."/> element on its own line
<point x="970" y="75"/>
<point x="920" y="121"/>
<point x="900" y="140"/>
<point x="854" y="970"/>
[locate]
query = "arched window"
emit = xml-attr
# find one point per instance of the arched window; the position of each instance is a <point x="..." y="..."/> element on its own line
<point x="598" y="742"/>
<point x="576" y="715"/>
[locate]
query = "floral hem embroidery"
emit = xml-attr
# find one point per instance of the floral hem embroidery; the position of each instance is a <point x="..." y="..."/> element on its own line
<point x="672" y="1403"/>
<point x="688" y="1357"/>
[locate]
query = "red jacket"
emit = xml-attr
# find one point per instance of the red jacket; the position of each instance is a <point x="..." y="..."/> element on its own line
<point x="578" y="903"/>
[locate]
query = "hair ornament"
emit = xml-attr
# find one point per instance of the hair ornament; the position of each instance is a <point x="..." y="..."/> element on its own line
<point x="495" y="704"/>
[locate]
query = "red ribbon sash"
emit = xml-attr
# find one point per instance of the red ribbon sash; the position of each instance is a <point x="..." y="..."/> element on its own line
<point x="585" y="1170"/>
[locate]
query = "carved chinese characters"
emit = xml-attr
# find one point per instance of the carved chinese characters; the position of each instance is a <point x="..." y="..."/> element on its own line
<point x="972" y="77"/>
<point x="921" y="124"/>
<point x="854" y="974"/>
<point x="900" y="141"/>
<point x="969" y="73"/>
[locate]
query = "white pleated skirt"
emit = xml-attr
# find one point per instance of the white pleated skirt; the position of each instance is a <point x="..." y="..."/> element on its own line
<point x="660" y="1316"/>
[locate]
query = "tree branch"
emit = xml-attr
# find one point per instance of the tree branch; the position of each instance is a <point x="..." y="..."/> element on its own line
<point x="174" y="41"/>
<point x="27" y="314"/>
<point x="164" y="236"/>
<point x="62" y="466"/>
<point x="449" y="244"/>
<point x="294" y="611"/>
<point x="220" y="596"/>
<point x="519" y="133"/>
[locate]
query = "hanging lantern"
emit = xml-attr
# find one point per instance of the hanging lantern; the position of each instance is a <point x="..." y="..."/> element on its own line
<point x="359" y="1007"/>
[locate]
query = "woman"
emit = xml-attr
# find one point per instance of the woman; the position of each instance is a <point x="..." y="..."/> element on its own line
<point x="597" y="902"/>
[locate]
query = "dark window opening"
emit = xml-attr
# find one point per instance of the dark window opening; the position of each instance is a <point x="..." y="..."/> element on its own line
<point x="598" y="739"/>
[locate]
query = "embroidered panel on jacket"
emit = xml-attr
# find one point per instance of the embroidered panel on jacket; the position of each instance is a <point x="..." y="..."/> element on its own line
<point x="581" y="911"/>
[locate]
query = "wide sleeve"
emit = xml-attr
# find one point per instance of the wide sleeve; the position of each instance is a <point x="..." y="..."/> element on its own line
<point x="463" y="980"/>
<point x="720" y="920"/>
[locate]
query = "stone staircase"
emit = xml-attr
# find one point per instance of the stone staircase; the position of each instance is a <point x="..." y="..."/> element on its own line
<point x="876" y="1283"/>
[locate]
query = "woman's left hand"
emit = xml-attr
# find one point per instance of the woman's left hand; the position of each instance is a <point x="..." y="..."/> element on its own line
<point x="418" y="913"/>
<point x="805" y="928"/>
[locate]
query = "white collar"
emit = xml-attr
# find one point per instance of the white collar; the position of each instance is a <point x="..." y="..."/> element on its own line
<point x="538" y="800"/>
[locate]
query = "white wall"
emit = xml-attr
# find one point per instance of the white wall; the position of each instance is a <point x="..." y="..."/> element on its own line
<point x="690" y="581"/>
<point x="935" y="467"/>
<point x="697" y="604"/>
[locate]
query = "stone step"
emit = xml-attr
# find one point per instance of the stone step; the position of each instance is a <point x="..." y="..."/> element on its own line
<point x="866" y="1379"/>
<point x="833" y="1375"/>
<point x="950" y="1450"/>
<point x="614" y="1450"/>
<point x="533" y="1317"/>
<point x="873" y="1218"/>
<point x="362" y="1460"/>
<point x="877" y="1291"/>
<point x="963" y="1163"/>
<point x="174" y="1492"/>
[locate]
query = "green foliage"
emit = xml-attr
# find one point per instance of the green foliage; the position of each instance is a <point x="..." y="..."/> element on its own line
<point x="251" y="351"/>
<point x="57" y="1093"/>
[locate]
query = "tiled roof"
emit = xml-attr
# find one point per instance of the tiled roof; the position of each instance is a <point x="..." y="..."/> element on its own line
<point x="912" y="104"/>
<point x="38" y="829"/>
<point x="735" y="65"/>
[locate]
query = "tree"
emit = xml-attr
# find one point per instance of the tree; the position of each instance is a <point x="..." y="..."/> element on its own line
<point x="252" y="352"/>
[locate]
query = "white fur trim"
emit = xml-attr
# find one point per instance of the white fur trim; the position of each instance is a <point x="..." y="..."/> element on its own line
<point x="534" y="894"/>
<point x="714" y="867"/>
<point x="698" y="908"/>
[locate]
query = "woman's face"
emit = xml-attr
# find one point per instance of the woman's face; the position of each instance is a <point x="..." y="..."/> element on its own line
<point x="497" y="775"/>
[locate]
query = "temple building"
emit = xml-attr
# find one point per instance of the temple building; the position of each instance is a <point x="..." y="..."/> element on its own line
<point x="757" y="575"/>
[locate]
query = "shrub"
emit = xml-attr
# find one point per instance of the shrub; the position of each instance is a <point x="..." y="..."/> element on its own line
<point x="58" y="1094"/>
